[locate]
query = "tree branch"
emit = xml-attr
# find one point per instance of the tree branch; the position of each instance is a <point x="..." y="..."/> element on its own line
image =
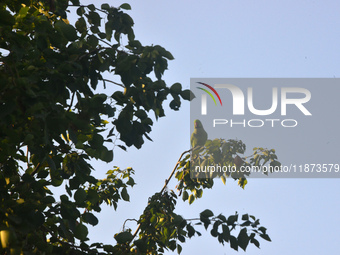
<point x="173" y="171"/>
<point x="35" y="169"/>
<point x="69" y="108"/>
<point x="128" y="220"/>
<point x="28" y="165"/>
<point x="165" y="185"/>
<point x="101" y="10"/>
<point x="105" y="42"/>
<point x="121" y="85"/>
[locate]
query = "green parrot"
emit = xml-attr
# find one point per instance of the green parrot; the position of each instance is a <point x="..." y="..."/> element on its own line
<point x="199" y="136"/>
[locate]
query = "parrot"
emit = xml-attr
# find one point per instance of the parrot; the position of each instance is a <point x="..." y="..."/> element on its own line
<point x="199" y="136"/>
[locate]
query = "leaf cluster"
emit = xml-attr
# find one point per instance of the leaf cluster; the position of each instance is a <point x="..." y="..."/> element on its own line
<point x="53" y="120"/>
<point x="222" y="153"/>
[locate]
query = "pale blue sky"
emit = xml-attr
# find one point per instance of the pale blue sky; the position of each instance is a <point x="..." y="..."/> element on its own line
<point x="238" y="38"/>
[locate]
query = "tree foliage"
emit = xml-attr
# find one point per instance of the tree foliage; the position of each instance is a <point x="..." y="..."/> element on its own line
<point x="55" y="118"/>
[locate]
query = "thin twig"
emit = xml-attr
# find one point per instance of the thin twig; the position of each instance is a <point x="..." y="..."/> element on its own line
<point x="69" y="108"/>
<point x="128" y="220"/>
<point x="173" y="171"/>
<point x="28" y="165"/>
<point x="105" y="42"/>
<point x="74" y="5"/>
<point x="164" y="187"/>
<point x="35" y="169"/>
<point x="121" y="85"/>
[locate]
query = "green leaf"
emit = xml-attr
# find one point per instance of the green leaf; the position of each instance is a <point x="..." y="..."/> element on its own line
<point x="256" y="223"/>
<point x="232" y="219"/>
<point x="262" y="229"/>
<point x="91" y="7"/>
<point x="135" y="44"/>
<point x="233" y="243"/>
<point x="179" y="249"/>
<point x="265" y="237"/>
<point x="123" y="237"/>
<point x="51" y="163"/>
<point x="90" y="218"/>
<point x="175" y="104"/>
<point x="67" y="30"/>
<point x="48" y="200"/>
<point x="199" y="193"/>
<point x="23" y="12"/>
<point x="243" y="239"/>
<point x="106" y="155"/>
<point x="73" y="136"/>
<point x="176" y="88"/>
<point x="181" y="238"/>
<point x="185" y="195"/>
<point x="97" y="141"/>
<point x="141" y="114"/>
<point x="94" y="18"/>
<point x="125" y="6"/>
<point x="214" y="233"/>
<point x="80" y="195"/>
<point x="80" y="11"/>
<point x="207" y="213"/>
<point x="92" y="40"/>
<point x="95" y="29"/>
<point x="81" y="232"/>
<point x="255" y="242"/>
<point x="64" y="198"/>
<point x="131" y="182"/>
<point x="105" y="7"/>
<point x="245" y="217"/>
<point x="222" y="218"/>
<point x="216" y="225"/>
<point x="108" y="248"/>
<point x="43" y="174"/>
<point x="225" y="233"/>
<point x="141" y="245"/>
<point x="191" y="199"/>
<point x="125" y="195"/>
<point x="246" y="223"/>
<point x="168" y="55"/>
<point x="253" y="217"/>
<point x="191" y="231"/>
<point x="224" y="180"/>
<point x="206" y="222"/>
<point x="81" y="25"/>
<point x="172" y="245"/>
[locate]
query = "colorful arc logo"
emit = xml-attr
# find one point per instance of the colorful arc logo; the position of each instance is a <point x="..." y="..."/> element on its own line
<point x="209" y="93"/>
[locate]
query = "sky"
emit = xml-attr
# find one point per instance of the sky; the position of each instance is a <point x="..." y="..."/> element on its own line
<point x="242" y="39"/>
